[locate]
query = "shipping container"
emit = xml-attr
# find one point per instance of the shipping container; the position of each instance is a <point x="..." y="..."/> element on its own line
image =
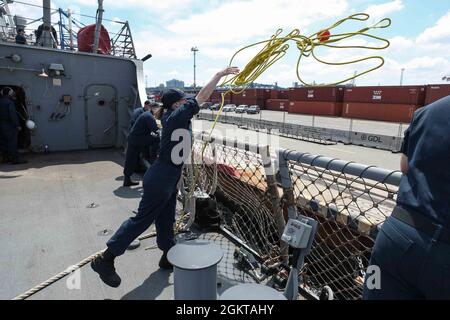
<point x="277" y="104"/>
<point x="318" y="94"/>
<point x="255" y="94"/>
<point x="283" y="94"/>
<point x="381" y="112"/>
<point x="237" y="100"/>
<point x="217" y="95"/>
<point x="220" y="101"/>
<point x="435" y="92"/>
<point x="412" y="95"/>
<point x="273" y="94"/>
<point x="333" y="109"/>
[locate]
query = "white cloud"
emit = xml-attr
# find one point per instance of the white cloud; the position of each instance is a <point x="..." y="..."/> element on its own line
<point x="399" y="45"/>
<point x="426" y="62"/>
<point x="167" y="8"/>
<point x="220" y="27"/>
<point x="380" y="11"/>
<point x="239" y="21"/>
<point x="221" y="31"/>
<point x="438" y="35"/>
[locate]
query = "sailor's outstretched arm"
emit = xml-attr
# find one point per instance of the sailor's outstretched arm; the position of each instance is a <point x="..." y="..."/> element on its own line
<point x="208" y="89"/>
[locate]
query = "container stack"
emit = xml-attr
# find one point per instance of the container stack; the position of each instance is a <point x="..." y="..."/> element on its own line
<point x="277" y="104"/>
<point x="435" y="92"/>
<point x="388" y="103"/>
<point x="380" y="103"/>
<point x="252" y="97"/>
<point x="216" y="97"/>
<point x="321" y="101"/>
<point x="279" y="100"/>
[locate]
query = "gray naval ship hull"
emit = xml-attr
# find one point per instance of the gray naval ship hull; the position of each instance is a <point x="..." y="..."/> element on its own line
<point x="84" y="102"/>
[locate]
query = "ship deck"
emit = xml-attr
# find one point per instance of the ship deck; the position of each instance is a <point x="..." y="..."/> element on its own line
<point x="48" y="225"/>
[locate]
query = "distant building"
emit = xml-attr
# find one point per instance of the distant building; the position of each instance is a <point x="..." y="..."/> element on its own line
<point x="176" y="84"/>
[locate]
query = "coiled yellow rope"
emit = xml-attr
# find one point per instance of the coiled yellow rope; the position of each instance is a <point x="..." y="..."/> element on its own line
<point x="276" y="48"/>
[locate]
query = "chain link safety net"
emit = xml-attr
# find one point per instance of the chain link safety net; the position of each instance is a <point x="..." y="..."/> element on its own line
<point x="350" y="209"/>
<point x="234" y="176"/>
<point x="349" y="200"/>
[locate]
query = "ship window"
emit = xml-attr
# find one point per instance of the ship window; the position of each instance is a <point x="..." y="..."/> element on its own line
<point x="101" y="102"/>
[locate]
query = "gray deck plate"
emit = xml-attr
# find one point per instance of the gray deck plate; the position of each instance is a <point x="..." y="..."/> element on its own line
<point x="47" y="227"/>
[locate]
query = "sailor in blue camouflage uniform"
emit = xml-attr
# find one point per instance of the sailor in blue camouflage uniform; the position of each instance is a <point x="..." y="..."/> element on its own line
<point x="138" y="111"/>
<point x="412" y="249"/>
<point x="144" y="135"/>
<point x="9" y="127"/>
<point x="158" y="202"/>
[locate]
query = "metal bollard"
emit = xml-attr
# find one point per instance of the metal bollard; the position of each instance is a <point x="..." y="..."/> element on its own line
<point x="195" y="270"/>
<point x="252" y="291"/>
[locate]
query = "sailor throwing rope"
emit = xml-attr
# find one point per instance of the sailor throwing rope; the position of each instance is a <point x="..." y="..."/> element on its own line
<point x="163" y="175"/>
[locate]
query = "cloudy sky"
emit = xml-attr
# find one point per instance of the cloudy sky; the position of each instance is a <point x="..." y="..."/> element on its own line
<point x="168" y="29"/>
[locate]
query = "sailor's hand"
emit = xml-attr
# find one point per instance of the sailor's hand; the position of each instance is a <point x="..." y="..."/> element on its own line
<point x="228" y="70"/>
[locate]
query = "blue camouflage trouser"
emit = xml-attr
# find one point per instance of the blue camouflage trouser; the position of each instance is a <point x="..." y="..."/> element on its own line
<point x="412" y="264"/>
<point x="8" y="140"/>
<point x="136" y="146"/>
<point x="157" y="205"/>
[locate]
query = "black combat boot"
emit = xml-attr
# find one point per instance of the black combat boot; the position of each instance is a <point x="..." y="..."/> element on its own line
<point x="127" y="182"/>
<point x="164" y="263"/>
<point x="104" y="266"/>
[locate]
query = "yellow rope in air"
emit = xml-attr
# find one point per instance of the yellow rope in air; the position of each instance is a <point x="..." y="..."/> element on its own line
<point x="276" y="48"/>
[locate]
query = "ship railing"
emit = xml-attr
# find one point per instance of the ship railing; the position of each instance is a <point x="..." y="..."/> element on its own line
<point x="67" y="26"/>
<point x="316" y="134"/>
<point x="351" y="201"/>
<point x="257" y="189"/>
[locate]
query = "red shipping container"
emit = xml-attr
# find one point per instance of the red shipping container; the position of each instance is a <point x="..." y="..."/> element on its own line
<point x="435" y="92"/>
<point x="237" y="100"/>
<point x="381" y="112"/>
<point x="214" y="96"/>
<point x="333" y="109"/>
<point x="273" y="94"/>
<point x="283" y="94"/>
<point x="218" y="95"/>
<point x="269" y="93"/>
<point x="220" y="101"/>
<point x="277" y="104"/>
<point x="386" y="94"/>
<point x="327" y="94"/>
<point x="255" y="94"/>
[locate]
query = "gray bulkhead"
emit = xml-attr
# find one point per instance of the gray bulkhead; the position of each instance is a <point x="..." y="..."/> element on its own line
<point x="86" y="106"/>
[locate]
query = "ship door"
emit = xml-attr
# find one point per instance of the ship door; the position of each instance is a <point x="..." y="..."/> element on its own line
<point x="101" y="116"/>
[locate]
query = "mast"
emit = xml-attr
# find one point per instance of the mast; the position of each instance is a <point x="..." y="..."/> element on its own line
<point x="46" y="37"/>
<point x="12" y="25"/>
<point x="69" y="14"/>
<point x="98" y="25"/>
